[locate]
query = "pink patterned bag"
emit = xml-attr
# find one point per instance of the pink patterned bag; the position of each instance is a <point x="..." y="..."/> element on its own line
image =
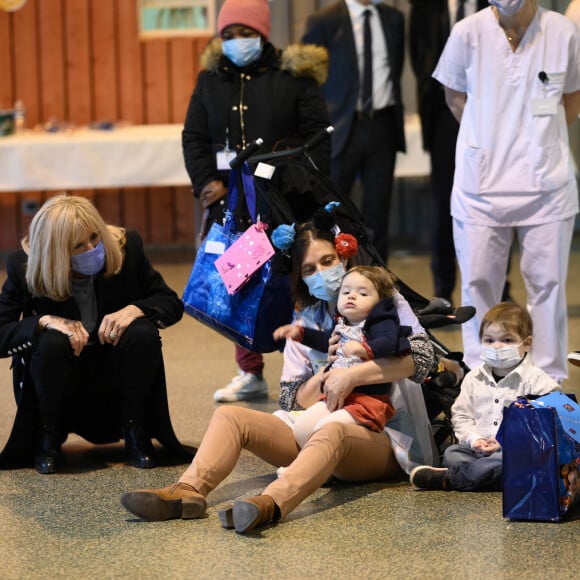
<point x="244" y="257"/>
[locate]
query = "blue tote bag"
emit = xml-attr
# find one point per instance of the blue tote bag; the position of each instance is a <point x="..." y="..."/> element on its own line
<point x="541" y="459"/>
<point x="250" y="316"/>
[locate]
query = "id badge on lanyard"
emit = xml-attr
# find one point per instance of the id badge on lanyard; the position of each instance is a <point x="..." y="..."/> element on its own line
<point x="223" y="159"/>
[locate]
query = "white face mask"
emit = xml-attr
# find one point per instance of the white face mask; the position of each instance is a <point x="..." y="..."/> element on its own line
<point x="507" y="7"/>
<point x="504" y="357"/>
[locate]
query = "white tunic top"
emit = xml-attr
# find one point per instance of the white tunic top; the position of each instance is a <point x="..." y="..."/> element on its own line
<point x="513" y="164"/>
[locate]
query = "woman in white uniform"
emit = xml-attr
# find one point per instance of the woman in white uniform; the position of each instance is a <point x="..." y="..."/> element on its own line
<point x="511" y="74"/>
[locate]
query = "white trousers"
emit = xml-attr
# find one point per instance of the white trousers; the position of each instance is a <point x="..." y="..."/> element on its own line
<point x="482" y="254"/>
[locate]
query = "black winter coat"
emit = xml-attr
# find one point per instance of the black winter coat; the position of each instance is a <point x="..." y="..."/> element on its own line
<point x="277" y="98"/>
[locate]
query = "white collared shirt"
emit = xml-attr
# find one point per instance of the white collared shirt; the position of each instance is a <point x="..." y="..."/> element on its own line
<point x="382" y="85"/>
<point x="478" y="410"/>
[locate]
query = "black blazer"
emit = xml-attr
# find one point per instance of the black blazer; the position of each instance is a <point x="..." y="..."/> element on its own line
<point x="331" y="27"/>
<point x="428" y="33"/>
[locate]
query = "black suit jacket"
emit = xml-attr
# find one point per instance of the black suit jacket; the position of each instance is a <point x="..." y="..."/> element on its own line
<point x="428" y="33"/>
<point x="331" y="27"/>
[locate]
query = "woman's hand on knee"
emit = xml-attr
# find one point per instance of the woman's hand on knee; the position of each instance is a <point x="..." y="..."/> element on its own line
<point x="74" y="330"/>
<point x="114" y="324"/>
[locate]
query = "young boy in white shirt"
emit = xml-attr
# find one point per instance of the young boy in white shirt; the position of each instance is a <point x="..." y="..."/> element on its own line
<point x="507" y="372"/>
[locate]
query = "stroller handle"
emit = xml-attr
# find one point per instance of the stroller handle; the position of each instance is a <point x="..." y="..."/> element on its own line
<point x="246" y="154"/>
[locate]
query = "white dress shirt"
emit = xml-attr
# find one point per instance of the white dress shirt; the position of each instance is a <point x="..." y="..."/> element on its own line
<point x="382" y="86"/>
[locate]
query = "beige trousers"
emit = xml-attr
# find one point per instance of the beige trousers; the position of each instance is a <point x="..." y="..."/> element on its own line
<point x="349" y="452"/>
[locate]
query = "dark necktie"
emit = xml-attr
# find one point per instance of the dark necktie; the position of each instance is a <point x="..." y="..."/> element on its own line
<point x="367" y="83"/>
<point x="460" y="10"/>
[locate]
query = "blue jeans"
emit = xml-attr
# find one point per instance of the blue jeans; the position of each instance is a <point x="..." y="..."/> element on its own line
<point x="467" y="471"/>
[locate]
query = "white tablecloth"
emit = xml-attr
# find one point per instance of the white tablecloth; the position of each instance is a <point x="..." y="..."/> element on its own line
<point x="141" y="155"/>
<point x="134" y="156"/>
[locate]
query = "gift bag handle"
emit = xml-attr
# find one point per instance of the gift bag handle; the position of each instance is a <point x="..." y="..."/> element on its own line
<point x="244" y="174"/>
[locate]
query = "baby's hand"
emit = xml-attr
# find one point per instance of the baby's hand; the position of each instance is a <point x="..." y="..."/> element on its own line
<point x="292" y="331"/>
<point x="355" y="348"/>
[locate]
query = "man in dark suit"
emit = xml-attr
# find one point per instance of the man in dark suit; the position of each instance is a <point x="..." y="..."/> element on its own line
<point x="431" y="22"/>
<point x="364" y="107"/>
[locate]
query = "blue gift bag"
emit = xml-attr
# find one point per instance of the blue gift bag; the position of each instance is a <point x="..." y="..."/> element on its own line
<point x="250" y="316"/>
<point x="540" y="460"/>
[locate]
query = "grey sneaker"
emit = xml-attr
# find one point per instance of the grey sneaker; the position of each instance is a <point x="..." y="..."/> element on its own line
<point x="243" y="387"/>
<point x="427" y="477"/>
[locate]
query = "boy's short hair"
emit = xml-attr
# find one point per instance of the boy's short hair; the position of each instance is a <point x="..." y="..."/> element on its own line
<point x="382" y="279"/>
<point x="510" y="317"/>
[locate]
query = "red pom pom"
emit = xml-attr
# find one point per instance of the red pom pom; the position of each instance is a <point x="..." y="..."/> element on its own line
<point x="346" y="245"/>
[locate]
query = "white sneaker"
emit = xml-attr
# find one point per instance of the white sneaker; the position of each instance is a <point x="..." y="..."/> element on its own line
<point x="243" y="387"/>
<point x="574" y="358"/>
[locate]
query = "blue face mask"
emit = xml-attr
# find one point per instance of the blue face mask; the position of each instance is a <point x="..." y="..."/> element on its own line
<point x="325" y="284"/>
<point x="242" y="51"/>
<point x="507" y="7"/>
<point x="90" y="262"/>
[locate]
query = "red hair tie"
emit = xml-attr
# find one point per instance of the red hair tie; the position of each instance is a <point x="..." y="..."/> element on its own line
<point x="346" y="245"/>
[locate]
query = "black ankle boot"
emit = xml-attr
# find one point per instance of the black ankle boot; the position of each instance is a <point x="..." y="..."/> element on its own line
<point x="48" y="452"/>
<point x="140" y="452"/>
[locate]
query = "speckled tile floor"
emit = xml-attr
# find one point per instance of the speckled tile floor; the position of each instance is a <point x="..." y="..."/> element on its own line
<point x="72" y="525"/>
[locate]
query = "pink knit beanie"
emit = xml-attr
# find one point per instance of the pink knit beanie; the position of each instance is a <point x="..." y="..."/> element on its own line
<point x="252" y="13"/>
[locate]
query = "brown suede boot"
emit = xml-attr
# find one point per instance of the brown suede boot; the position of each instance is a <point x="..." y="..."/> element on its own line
<point x="252" y="512"/>
<point x="179" y="500"/>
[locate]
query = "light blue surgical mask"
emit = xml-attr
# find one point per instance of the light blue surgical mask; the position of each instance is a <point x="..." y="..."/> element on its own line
<point x="90" y="262"/>
<point x="507" y="7"/>
<point x="242" y="51"/>
<point x="325" y="284"/>
<point x="504" y="357"/>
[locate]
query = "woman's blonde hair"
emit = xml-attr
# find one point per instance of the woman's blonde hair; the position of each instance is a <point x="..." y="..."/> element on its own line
<point x="54" y="231"/>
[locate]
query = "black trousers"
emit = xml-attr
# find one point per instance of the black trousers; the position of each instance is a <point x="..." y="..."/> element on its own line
<point x="370" y="154"/>
<point x="125" y="373"/>
<point x="443" y="268"/>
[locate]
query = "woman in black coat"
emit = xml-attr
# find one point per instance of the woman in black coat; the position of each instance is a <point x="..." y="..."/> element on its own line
<point x="79" y="314"/>
<point x="248" y="89"/>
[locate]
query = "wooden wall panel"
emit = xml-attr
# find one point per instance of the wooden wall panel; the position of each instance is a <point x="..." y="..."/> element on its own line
<point x="182" y="76"/>
<point x="9" y="221"/>
<point x="6" y="60"/>
<point x="163" y="215"/>
<point x="129" y="63"/>
<point x="104" y="69"/>
<point x="52" y="65"/>
<point x="156" y="81"/>
<point x="136" y="211"/>
<point x="81" y="61"/>
<point x="78" y="62"/>
<point x="184" y="232"/>
<point x="25" y="65"/>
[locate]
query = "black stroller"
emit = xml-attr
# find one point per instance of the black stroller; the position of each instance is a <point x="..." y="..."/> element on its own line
<point x="292" y="194"/>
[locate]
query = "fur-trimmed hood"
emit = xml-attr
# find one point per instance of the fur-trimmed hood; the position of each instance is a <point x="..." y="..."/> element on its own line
<point x="300" y="60"/>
